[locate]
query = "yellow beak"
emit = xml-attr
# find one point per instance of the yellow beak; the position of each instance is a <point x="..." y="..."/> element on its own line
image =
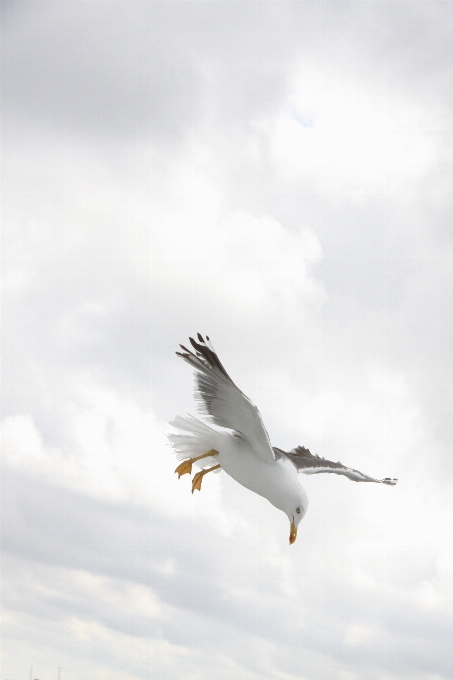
<point x="293" y="533"/>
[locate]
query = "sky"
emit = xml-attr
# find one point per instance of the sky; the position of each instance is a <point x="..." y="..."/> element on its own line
<point x="277" y="175"/>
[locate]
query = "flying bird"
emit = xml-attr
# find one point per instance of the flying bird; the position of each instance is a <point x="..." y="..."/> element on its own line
<point x="241" y="446"/>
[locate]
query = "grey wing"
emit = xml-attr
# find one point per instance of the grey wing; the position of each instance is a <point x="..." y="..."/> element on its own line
<point x="311" y="464"/>
<point x="222" y="401"/>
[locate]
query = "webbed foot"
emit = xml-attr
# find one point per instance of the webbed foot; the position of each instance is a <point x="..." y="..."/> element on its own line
<point x="185" y="468"/>
<point x="196" y="481"/>
<point x="198" y="478"/>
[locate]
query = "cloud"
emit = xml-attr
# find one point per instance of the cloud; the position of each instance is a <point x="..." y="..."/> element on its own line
<point x="161" y="179"/>
<point x="111" y="521"/>
<point x="364" y="136"/>
<point x="150" y="69"/>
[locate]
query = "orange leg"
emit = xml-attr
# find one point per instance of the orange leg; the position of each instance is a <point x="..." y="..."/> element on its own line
<point x="198" y="478"/>
<point x="185" y="468"/>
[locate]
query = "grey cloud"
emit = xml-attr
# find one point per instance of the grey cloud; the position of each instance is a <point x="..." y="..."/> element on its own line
<point x="65" y="530"/>
<point x="102" y="101"/>
<point x="116" y="541"/>
<point x="127" y="542"/>
<point x="82" y="67"/>
<point x="134" y="68"/>
<point x="158" y="68"/>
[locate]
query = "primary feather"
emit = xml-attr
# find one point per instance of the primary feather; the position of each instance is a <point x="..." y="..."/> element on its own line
<point x="222" y="401"/>
<point x="241" y="445"/>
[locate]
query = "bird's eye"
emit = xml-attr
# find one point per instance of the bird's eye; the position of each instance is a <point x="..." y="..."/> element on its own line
<point x="298" y="511"/>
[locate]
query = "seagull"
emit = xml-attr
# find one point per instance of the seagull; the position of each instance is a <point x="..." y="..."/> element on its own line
<point x="240" y="445"/>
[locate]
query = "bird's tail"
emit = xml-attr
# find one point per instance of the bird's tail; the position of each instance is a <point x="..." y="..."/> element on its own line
<point x="198" y="439"/>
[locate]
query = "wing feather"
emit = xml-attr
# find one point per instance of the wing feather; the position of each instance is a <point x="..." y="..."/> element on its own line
<point x="222" y="401"/>
<point x="310" y="464"/>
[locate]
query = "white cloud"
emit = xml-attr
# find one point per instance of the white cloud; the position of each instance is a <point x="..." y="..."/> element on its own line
<point x="362" y="136"/>
<point x="297" y="212"/>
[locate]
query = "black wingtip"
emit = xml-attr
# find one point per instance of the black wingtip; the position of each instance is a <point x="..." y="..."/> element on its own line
<point x="205" y="355"/>
<point x="185" y="348"/>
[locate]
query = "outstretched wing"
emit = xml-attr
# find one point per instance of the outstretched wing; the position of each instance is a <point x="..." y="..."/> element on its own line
<point x="310" y="464"/>
<point x="223" y="402"/>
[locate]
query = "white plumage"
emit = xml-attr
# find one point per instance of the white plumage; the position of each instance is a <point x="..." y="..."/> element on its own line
<point x="241" y="446"/>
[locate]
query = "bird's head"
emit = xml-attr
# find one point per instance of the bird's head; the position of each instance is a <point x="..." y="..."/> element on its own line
<point x="296" y="510"/>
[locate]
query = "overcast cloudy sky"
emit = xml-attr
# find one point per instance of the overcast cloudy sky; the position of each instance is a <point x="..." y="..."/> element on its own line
<point x="277" y="175"/>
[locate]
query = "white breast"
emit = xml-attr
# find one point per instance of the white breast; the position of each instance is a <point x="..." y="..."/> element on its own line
<point x="275" y="481"/>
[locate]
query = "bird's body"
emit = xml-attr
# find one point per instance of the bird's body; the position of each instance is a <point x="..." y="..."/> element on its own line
<point x="275" y="480"/>
<point x="240" y="444"/>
